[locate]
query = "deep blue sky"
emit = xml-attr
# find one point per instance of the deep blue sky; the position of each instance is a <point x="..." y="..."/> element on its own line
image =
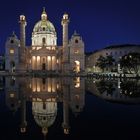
<point x="99" y="22"/>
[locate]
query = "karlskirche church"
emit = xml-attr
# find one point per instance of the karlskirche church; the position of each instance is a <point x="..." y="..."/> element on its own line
<point x="44" y="54"/>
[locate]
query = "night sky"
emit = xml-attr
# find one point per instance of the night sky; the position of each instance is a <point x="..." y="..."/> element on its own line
<point x="100" y="22"/>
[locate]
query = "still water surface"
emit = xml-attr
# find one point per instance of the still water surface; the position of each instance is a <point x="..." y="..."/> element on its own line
<point x="69" y="108"/>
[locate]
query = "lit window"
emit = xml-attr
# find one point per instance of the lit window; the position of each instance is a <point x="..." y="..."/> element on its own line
<point x="53" y="48"/>
<point x="57" y="61"/>
<point x="12" y="95"/>
<point x="76" y="51"/>
<point x="12" y="51"/>
<point x="48" y="48"/>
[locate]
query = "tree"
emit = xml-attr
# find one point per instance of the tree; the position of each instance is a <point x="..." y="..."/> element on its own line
<point x="105" y="86"/>
<point x="110" y="61"/>
<point x="105" y="62"/>
<point x="101" y="62"/>
<point x="130" y="62"/>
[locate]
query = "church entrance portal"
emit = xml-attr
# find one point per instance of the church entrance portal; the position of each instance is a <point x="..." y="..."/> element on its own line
<point x="77" y="66"/>
<point x="43" y="66"/>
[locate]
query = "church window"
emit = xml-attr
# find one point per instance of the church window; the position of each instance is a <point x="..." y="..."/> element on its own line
<point x="12" y="51"/>
<point x="76" y="41"/>
<point x="76" y="51"/>
<point x="43" y="28"/>
<point x="12" y="95"/>
<point x="43" y="40"/>
<point x="12" y="41"/>
<point x="53" y="48"/>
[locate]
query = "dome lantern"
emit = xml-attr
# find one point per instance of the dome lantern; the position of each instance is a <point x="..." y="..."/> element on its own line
<point x="44" y="15"/>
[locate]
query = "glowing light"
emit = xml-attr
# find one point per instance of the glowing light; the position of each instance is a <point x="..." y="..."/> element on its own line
<point x="66" y="131"/>
<point x="12" y="51"/>
<point x="23" y="130"/>
<point x="49" y="88"/>
<point x="77" y="85"/>
<point x="22" y="18"/>
<point x="12" y="95"/>
<point x="65" y="16"/>
<point x="33" y="57"/>
<point x="38" y="58"/>
<point x="57" y="86"/>
<point x="53" y="48"/>
<point x="57" y="61"/>
<point x="38" y="48"/>
<point x="49" y="58"/>
<point x="77" y="82"/>
<point x="77" y="66"/>
<point x="33" y="48"/>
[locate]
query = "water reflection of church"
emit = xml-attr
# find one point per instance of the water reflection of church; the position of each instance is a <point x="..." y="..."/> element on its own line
<point x="44" y="94"/>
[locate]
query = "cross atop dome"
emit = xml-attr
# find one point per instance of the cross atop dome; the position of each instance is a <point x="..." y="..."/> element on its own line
<point x="44" y="15"/>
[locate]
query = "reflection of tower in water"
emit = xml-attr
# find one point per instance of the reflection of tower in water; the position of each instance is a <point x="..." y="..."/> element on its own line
<point x="16" y="97"/>
<point x="74" y="98"/>
<point x="12" y="95"/>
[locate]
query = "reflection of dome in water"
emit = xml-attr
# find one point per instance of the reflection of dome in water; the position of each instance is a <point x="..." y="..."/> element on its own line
<point x="44" y="114"/>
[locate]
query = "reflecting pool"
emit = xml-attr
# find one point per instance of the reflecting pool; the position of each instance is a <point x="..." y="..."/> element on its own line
<point x="43" y="108"/>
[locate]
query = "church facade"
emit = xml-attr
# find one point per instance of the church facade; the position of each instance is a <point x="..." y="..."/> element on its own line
<point x="44" y="54"/>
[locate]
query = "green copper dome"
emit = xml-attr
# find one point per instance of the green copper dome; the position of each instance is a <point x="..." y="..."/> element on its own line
<point x="44" y="25"/>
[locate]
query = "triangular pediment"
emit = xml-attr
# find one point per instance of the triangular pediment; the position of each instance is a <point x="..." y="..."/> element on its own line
<point x="42" y="51"/>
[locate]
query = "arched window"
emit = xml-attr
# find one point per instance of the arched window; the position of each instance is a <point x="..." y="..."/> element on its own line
<point x="76" y="41"/>
<point x="12" y="41"/>
<point x="44" y="40"/>
<point x="76" y="66"/>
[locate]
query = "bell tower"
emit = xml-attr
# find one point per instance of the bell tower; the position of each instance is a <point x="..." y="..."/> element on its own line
<point x="22" y="49"/>
<point x="65" y="52"/>
<point x="22" y="30"/>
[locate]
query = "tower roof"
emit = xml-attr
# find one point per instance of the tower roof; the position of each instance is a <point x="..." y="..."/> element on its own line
<point x="44" y="15"/>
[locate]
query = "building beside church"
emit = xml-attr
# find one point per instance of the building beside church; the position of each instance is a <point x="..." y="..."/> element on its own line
<point x="44" y="54"/>
<point x="116" y="51"/>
